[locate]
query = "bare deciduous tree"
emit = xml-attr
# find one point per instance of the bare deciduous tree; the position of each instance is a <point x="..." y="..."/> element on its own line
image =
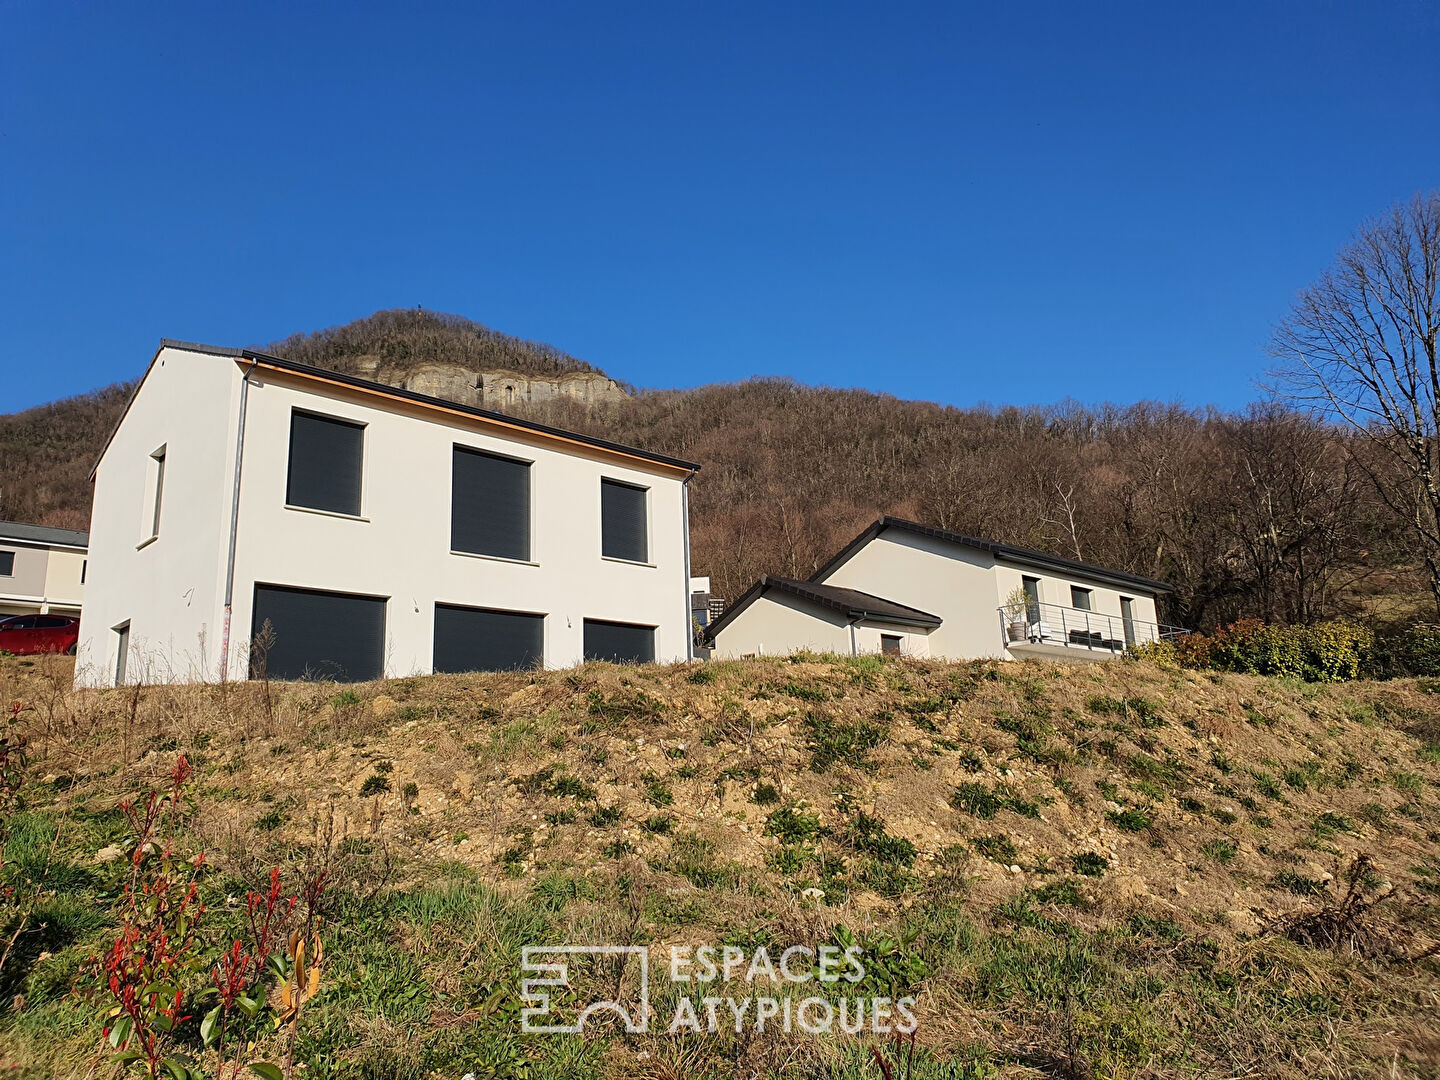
<point x="1360" y="345"/>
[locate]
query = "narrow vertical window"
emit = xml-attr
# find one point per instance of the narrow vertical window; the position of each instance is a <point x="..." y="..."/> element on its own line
<point x="158" y="491"/>
<point x="1127" y="617"/>
<point x="84" y="565"/>
<point x="122" y="652"/>
<point x="1032" y="599"/>
<point x="7" y="564"/>
<point x="624" y="530"/>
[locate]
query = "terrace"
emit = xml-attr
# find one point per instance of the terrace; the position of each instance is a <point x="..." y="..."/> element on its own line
<point x="1057" y="632"/>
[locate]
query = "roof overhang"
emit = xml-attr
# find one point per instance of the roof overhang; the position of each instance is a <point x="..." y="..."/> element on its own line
<point x="855" y="606"/>
<point x="1008" y="554"/>
<point x="499" y="422"/>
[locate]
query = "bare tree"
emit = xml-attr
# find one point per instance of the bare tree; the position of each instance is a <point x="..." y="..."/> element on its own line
<point x="1360" y="345"/>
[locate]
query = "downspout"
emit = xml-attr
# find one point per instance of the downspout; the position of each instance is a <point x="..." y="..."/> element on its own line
<point x="854" y="647"/>
<point x="685" y="521"/>
<point x="234" y="525"/>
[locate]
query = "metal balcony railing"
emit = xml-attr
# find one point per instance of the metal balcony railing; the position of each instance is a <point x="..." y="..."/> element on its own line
<point x="1052" y="624"/>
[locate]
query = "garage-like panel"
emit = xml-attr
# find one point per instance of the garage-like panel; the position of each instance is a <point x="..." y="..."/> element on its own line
<point x="318" y="635"/>
<point x="620" y="643"/>
<point x="479" y="639"/>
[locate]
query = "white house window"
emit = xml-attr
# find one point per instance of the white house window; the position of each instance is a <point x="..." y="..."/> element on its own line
<point x="489" y="505"/>
<point x="326" y="456"/>
<point x="624" y="529"/>
<point x="1079" y="598"/>
<point x="7" y="564"/>
<point x="157" y="490"/>
<point x="122" y="652"/>
<point x="620" y="643"/>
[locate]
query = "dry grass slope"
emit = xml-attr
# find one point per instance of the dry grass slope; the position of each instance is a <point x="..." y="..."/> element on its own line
<point x="1076" y="864"/>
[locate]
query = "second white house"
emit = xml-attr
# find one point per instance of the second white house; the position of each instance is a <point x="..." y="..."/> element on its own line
<point x="253" y="515"/>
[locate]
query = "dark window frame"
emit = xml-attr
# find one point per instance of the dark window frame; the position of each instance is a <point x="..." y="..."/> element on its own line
<point x="324" y="674"/>
<point x="362" y="427"/>
<point x="588" y="655"/>
<point x="886" y="639"/>
<point x="529" y="464"/>
<point x="7" y="564"/>
<point x="1077" y="592"/>
<point x="644" y="492"/>
<point x="538" y="662"/>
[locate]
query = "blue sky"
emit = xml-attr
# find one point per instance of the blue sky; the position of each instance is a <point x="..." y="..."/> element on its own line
<point x="957" y="202"/>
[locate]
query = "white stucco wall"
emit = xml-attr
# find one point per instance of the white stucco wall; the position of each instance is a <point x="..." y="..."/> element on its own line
<point x="63" y="587"/>
<point x="921" y="572"/>
<point x="400" y="546"/>
<point x="778" y="624"/>
<point x="169" y="588"/>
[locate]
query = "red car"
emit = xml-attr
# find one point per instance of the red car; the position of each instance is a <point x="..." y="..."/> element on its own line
<point x="25" y="634"/>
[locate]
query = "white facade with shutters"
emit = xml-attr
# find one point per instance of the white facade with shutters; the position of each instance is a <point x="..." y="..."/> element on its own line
<point x="158" y="581"/>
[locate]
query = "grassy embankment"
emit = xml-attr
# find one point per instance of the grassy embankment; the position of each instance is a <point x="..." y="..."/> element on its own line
<point x="1075" y="865"/>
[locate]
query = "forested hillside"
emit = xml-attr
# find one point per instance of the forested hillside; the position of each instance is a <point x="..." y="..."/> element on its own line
<point x="1263" y="513"/>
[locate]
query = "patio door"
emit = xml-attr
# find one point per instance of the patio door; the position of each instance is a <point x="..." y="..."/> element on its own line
<point x="1127" y="616"/>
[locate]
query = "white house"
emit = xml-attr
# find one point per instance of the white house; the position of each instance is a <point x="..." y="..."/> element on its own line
<point x="42" y="570"/>
<point x="253" y="515"/>
<point x="1063" y="609"/>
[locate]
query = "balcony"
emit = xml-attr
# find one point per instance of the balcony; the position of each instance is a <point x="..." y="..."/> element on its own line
<point x="1050" y="630"/>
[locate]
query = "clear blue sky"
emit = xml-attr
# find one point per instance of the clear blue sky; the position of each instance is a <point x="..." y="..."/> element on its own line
<point x="958" y="202"/>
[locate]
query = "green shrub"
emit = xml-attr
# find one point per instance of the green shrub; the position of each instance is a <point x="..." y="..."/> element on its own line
<point x="1090" y="864"/>
<point x="765" y="794"/>
<point x="1129" y="820"/>
<point x="793" y="826"/>
<point x="374" y="784"/>
<point x="1405" y="650"/>
<point x="1320" y="652"/>
<point x="1000" y="848"/>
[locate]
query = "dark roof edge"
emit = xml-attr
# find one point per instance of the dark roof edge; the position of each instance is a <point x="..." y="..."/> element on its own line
<point x="22" y="532"/>
<point x="367" y="384"/>
<point x="905" y="615"/>
<point x="797" y="588"/>
<point x="1002" y="552"/>
<point x="426" y="399"/>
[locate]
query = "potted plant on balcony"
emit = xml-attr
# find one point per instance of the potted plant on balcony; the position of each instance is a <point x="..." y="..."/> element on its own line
<point x="1014" y="607"/>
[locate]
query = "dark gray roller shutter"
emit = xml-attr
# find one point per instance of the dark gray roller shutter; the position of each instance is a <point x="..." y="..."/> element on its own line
<point x="489" y="505"/>
<point x="320" y="635"/>
<point x="325" y="462"/>
<point x="622" y="521"/>
<point x="622" y="643"/>
<point x="475" y="639"/>
<point x="7" y="564"/>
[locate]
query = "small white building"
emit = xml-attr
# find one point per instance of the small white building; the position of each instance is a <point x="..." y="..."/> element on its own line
<point x="42" y="569"/>
<point x="988" y="600"/>
<point x="254" y="515"/>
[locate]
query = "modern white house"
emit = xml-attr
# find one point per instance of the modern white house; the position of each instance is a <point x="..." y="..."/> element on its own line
<point x="964" y="598"/>
<point x="253" y="516"/>
<point x="42" y="569"/>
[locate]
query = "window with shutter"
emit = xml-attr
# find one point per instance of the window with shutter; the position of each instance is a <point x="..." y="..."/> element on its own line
<point x="478" y="639"/>
<point x="317" y="635"/>
<point x="325" y="463"/>
<point x="624" y="530"/>
<point x="620" y="643"/>
<point x="489" y="504"/>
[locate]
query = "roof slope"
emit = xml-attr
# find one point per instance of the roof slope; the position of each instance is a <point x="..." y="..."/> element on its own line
<point x="43" y="534"/>
<point x="368" y="385"/>
<point x="1009" y="553"/>
<point x="849" y="602"/>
